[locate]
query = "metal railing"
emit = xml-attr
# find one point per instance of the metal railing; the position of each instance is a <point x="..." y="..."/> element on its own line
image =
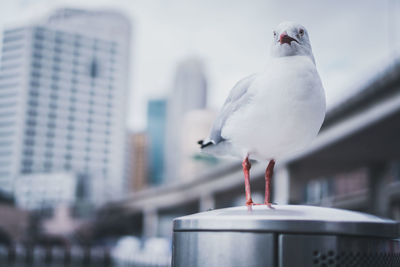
<point x="75" y="256"/>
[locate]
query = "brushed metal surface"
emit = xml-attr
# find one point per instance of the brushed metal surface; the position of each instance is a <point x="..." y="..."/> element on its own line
<point x="289" y="219"/>
<point x="320" y="250"/>
<point x="233" y="249"/>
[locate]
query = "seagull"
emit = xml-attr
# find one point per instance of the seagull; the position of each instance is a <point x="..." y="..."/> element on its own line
<point x="273" y="113"/>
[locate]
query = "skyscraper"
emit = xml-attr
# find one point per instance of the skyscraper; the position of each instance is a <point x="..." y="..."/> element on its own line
<point x="139" y="162"/>
<point x="63" y="84"/>
<point x="156" y="121"/>
<point x="189" y="92"/>
<point x="195" y="126"/>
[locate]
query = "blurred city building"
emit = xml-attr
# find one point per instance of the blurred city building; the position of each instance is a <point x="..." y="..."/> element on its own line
<point x="156" y="123"/>
<point x="44" y="190"/>
<point x="61" y="223"/>
<point x="14" y="224"/>
<point x="139" y="161"/>
<point x="196" y="125"/>
<point x="189" y="92"/>
<point x="63" y="83"/>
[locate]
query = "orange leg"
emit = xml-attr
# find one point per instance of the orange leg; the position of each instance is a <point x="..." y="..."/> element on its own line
<point x="246" y="170"/>
<point x="268" y="177"/>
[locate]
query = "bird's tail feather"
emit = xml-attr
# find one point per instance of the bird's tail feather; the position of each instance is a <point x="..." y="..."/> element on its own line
<point x="204" y="143"/>
<point x="221" y="149"/>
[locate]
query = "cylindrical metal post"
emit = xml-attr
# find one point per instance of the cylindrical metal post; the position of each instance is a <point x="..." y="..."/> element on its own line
<point x="285" y="236"/>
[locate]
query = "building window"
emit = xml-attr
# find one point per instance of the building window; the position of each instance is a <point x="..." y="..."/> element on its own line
<point x="56" y="58"/>
<point x="27" y="162"/>
<point x="38" y="46"/>
<point x="51" y="125"/>
<point x="37" y="55"/>
<point x="30" y="132"/>
<point x="56" y="68"/>
<point x="34" y="93"/>
<point x="28" y="152"/>
<point x="53" y="105"/>
<point x="35" y="74"/>
<point x="29" y="142"/>
<point x="12" y="38"/>
<point x="59" y="39"/>
<point x="31" y="122"/>
<point x="32" y="112"/>
<point x="5" y="144"/>
<point x="50" y="134"/>
<point x="33" y="103"/>
<point x="9" y="66"/>
<point x="39" y="35"/>
<point x="52" y="115"/>
<point x="47" y="165"/>
<point x="35" y="83"/>
<point x="11" y="47"/>
<point x="94" y="68"/>
<point x="54" y="97"/>
<point x="26" y="170"/>
<point x="49" y="144"/>
<point x="67" y="166"/>
<point x="58" y="50"/>
<point x="55" y="77"/>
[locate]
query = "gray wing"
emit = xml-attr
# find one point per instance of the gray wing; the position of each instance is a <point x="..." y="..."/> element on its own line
<point x="237" y="97"/>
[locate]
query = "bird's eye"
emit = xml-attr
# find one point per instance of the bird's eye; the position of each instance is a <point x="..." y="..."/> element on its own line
<point x="274" y="33"/>
<point x="301" y="32"/>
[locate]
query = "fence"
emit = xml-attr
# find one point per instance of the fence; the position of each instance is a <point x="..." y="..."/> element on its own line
<point x="75" y="256"/>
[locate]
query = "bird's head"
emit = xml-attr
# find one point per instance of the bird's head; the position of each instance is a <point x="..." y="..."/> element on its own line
<point x="291" y="39"/>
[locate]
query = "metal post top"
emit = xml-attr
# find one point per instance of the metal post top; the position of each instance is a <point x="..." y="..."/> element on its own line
<point x="289" y="219"/>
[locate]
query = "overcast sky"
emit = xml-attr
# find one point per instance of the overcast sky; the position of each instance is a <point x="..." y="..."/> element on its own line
<point x="351" y="40"/>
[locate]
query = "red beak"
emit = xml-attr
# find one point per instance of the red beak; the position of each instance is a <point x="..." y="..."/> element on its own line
<point x="284" y="38"/>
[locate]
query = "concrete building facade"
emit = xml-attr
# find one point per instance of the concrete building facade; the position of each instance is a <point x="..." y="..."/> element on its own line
<point x="189" y="92"/>
<point x="63" y="84"/>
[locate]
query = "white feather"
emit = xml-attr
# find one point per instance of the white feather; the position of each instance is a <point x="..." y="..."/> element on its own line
<point x="281" y="109"/>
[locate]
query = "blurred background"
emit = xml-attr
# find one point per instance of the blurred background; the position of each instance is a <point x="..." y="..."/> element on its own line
<point x="102" y="103"/>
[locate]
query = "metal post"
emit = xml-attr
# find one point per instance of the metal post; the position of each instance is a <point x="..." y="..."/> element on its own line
<point x="150" y="222"/>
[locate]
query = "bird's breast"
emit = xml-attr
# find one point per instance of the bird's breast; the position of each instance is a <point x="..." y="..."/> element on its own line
<point x="285" y="113"/>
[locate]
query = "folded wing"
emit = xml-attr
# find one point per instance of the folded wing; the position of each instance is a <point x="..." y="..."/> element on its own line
<point x="238" y="97"/>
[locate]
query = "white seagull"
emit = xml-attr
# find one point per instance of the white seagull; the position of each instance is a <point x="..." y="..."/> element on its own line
<point x="273" y="113"/>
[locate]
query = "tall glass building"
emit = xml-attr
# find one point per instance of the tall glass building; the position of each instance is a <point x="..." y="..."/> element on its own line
<point x="189" y="92"/>
<point x="62" y="101"/>
<point x="156" y="120"/>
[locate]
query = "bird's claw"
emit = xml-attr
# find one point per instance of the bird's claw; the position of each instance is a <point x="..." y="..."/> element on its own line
<point x="249" y="202"/>
<point x="269" y="205"/>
